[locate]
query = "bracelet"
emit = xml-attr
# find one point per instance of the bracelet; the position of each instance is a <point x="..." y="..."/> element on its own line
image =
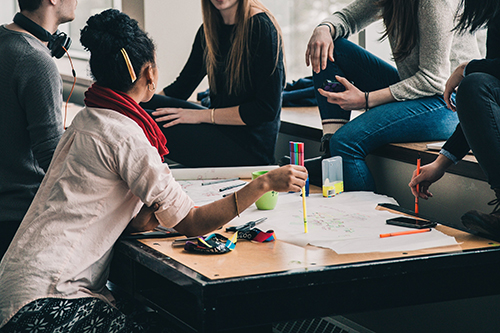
<point x="212" y="116"/>
<point x="328" y="25"/>
<point x="367" y="93"/>
<point x="236" y="203"/>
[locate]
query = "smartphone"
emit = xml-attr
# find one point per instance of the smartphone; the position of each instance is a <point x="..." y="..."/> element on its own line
<point x="332" y="86"/>
<point x="410" y="222"/>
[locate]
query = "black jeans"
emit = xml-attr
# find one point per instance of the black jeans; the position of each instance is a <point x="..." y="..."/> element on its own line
<point x="200" y="145"/>
<point x="477" y="100"/>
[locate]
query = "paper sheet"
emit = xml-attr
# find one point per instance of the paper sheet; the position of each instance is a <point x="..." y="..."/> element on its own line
<point x="347" y="223"/>
<point x="202" y="195"/>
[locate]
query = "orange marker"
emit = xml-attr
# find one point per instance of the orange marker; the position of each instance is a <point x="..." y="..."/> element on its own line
<point x="418" y="186"/>
<point x="409" y="232"/>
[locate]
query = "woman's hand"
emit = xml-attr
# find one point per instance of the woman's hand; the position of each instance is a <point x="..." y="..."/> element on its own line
<point x="451" y="85"/>
<point x="350" y="99"/>
<point x="429" y="174"/>
<point x="174" y="116"/>
<point x="287" y="178"/>
<point x="320" y="48"/>
<point x="145" y="220"/>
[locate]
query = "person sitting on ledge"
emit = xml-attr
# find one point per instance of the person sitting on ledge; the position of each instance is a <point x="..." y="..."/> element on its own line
<point x="477" y="106"/>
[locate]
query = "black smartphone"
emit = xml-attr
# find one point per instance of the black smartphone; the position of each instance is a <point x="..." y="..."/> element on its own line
<point x="332" y="86"/>
<point x="410" y="222"/>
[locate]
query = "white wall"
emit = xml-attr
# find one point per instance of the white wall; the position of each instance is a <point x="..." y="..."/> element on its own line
<point x="173" y="26"/>
<point x="7" y="8"/>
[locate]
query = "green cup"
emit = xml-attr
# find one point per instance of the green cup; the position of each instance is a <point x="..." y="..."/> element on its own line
<point x="268" y="200"/>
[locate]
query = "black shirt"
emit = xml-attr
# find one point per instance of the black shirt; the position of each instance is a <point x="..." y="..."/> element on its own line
<point x="260" y="102"/>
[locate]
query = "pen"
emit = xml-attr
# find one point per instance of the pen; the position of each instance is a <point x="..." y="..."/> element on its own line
<point x="418" y="185"/>
<point x="220" y="181"/>
<point x="248" y="225"/>
<point x="304" y="208"/>
<point x="230" y="187"/>
<point x="409" y="232"/>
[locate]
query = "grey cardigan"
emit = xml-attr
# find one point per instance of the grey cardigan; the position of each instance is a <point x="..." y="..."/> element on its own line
<point x="439" y="51"/>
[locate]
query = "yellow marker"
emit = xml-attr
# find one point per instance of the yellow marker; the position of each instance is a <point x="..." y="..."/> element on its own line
<point x="304" y="208"/>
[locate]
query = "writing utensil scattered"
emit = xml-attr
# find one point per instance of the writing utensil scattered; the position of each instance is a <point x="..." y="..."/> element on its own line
<point x="304" y="208"/>
<point x="230" y="187"/>
<point x="248" y="225"/>
<point x="401" y="233"/>
<point x="220" y="181"/>
<point x="182" y="241"/>
<point x="418" y="185"/>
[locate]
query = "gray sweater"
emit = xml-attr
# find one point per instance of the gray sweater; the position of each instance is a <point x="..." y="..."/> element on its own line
<point x="30" y="119"/>
<point x="439" y="51"/>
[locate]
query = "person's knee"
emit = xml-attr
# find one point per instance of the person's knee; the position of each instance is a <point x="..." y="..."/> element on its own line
<point x="343" y="145"/>
<point x="474" y="89"/>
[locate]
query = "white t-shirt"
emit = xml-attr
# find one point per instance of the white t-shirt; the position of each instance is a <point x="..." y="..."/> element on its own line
<point x="103" y="170"/>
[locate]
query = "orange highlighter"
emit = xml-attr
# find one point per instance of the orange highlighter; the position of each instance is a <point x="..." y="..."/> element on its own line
<point x="401" y="233"/>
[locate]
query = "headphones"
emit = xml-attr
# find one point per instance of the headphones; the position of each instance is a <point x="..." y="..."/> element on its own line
<point x="57" y="42"/>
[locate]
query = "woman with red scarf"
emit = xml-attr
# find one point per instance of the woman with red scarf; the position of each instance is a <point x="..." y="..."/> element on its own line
<point x="107" y="169"/>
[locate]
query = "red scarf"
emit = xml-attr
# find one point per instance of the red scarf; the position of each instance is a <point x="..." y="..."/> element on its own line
<point x="105" y="98"/>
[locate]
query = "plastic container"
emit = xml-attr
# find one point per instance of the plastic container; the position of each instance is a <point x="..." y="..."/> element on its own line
<point x="333" y="181"/>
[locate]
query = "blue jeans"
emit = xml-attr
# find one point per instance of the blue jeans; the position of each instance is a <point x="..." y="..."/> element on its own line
<point x="423" y="119"/>
<point x="478" y="98"/>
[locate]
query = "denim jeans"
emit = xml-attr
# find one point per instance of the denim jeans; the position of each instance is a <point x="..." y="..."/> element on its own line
<point x="423" y="119"/>
<point x="478" y="98"/>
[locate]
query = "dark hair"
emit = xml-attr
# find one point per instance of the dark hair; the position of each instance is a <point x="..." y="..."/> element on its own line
<point x="104" y="36"/>
<point x="29" y="5"/>
<point x="476" y="14"/>
<point x="401" y="22"/>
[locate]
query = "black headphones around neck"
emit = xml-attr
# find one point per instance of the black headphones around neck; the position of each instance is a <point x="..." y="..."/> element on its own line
<point x="57" y="42"/>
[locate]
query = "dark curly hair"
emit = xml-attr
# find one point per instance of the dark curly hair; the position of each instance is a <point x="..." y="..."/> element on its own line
<point x="104" y="36"/>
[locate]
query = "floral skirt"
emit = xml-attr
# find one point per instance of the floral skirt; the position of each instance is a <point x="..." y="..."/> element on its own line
<point x="71" y="315"/>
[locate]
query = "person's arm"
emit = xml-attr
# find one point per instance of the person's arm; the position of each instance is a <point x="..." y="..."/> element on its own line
<point x="354" y="99"/>
<point x="350" y="20"/>
<point x="40" y="95"/>
<point x="140" y="166"/>
<point x="429" y="174"/>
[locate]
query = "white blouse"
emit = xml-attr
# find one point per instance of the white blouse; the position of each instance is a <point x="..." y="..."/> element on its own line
<point x="102" y="172"/>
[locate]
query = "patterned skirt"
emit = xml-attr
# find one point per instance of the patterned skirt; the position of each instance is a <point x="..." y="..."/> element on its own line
<point x="73" y="315"/>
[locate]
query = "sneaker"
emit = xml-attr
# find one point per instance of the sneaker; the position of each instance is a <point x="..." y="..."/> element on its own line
<point x="487" y="225"/>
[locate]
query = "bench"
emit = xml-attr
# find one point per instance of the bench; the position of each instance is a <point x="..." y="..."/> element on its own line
<point x="305" y="123"/>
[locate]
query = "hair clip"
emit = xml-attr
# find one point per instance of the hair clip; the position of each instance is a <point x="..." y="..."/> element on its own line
<point x="129" y="65"/>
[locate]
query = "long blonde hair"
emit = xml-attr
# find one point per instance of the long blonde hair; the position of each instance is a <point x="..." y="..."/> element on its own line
<point x="238" y="67"/>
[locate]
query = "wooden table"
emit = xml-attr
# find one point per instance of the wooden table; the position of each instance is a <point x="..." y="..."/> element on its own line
<point x="258" y="284"/>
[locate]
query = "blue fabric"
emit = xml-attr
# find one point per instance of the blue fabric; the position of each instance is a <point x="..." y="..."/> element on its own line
<point x="423" y="119"/>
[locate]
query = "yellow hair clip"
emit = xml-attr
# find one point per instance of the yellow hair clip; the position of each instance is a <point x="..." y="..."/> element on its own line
<point x="129" y="65"/>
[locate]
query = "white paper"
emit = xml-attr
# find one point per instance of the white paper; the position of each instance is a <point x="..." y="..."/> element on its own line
<point x="346" y="223"/>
